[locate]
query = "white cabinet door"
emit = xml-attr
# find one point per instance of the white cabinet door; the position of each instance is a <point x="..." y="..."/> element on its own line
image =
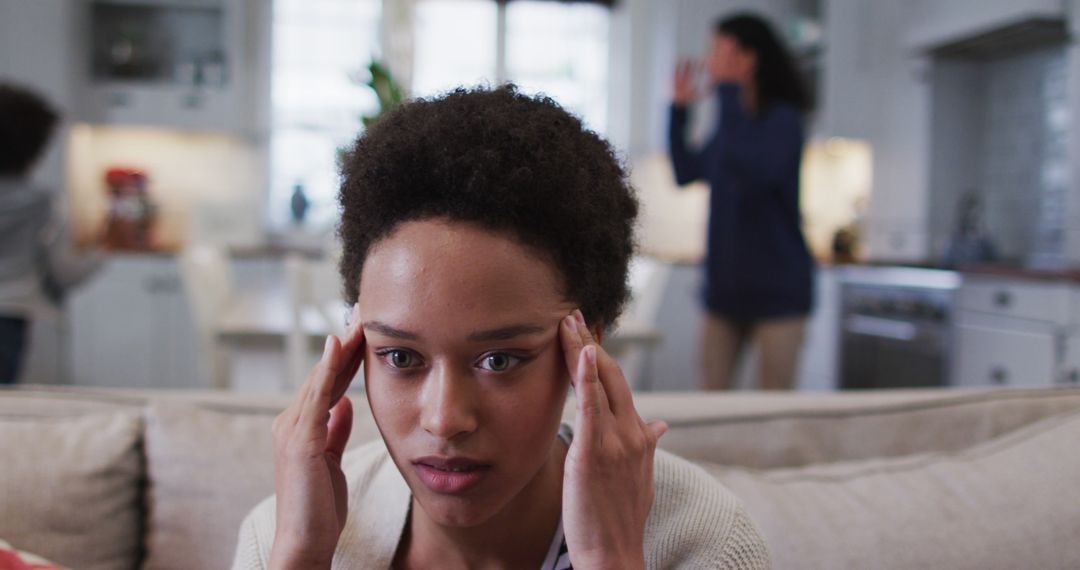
<point x="1070" y="368"/>
<point x="941" y="22"/>
<point x="848" y="101"/>
<point x="990" y="356"/>
<point x="130" y="327"/>
<point x="226" y="106"/>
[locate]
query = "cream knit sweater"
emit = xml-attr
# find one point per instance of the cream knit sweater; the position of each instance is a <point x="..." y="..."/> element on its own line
<point x="694" y="523"/>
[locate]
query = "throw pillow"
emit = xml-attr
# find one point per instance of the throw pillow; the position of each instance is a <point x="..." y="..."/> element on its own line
<point x="1012" y="502"/>
<point x="70" y="488"/>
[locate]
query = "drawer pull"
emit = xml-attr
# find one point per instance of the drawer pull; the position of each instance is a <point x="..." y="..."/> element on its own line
<point x="1073" y="376"/>
<point x="1003" y="299"/>
<point x="999" y="375"/>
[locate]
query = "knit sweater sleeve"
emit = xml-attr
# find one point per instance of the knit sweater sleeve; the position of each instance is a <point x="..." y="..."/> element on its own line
<point x="687" y="163"/>
<point x="744" y="547"/>
<point x="696" y="522"/>
<point x="256" y="538"/>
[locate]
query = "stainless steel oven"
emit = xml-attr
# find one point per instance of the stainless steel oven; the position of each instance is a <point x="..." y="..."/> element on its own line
<point x="896" y="327"/>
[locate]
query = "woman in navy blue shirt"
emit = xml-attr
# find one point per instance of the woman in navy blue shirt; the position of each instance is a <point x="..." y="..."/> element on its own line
<point x="758" y="270"/>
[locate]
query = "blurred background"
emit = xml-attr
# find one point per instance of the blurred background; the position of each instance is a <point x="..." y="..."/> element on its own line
<point x="227" y="116"/>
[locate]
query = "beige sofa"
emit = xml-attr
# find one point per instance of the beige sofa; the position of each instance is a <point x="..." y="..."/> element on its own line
<point x="906" y="479"/>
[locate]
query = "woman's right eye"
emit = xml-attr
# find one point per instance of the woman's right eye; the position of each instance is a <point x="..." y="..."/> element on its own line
<point x="398" y="358"/>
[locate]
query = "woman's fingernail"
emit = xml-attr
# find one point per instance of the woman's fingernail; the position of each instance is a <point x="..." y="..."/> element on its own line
<point x="580" y="317"/>
<point x="354" y="316"/>
<point x="328" y="347"/>
<point x="571" y="323"/>
<point x="590" y="355"/>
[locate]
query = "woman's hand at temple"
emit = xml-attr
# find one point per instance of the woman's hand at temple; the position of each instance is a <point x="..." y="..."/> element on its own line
<point x="607" y="481"/>
<point x="309" y="439"/>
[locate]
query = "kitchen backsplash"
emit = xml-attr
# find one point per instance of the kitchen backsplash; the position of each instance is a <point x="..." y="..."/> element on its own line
<point x="194" y="177"/>
<point x="836" y="183"/>
<point x="1024" y="172"/>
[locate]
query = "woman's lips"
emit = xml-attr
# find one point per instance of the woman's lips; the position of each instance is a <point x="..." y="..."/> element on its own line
<point x="450" y="475"/>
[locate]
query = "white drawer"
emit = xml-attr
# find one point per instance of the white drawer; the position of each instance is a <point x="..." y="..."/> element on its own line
<point x="1051" y="302"/>
<point x="986" y="356"/>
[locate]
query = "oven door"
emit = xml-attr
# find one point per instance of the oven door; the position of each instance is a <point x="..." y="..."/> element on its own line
<point x="877" y="352"/>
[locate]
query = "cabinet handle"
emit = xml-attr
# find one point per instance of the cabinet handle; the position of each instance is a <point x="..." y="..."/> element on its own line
<point x="999" y="375"/>
<point x="1003" y="299"/>
<point x="1073" y="376"/>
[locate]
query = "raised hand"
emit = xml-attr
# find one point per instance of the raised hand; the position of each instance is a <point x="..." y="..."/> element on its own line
<point x="309" y="439"/>
<point x="684" y="90"/>
<point x="607" y="480"/>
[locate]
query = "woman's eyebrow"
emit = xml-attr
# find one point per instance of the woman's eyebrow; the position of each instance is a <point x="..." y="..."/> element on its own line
<point x="506" y="333"/>
<point x="387" y="330"/>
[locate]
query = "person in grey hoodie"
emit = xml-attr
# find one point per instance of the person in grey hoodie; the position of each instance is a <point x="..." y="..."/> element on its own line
<point x="38" y="260"/>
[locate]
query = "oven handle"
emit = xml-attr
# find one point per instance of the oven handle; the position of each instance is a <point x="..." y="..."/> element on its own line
<point x="884" y="328"/>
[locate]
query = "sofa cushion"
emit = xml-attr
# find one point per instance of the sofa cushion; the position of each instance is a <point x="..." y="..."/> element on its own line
<point x="70" y="487"/>
<point x="766" y="431"/>
<point x="1011" y="502"/>
<point x="208" y="465"/>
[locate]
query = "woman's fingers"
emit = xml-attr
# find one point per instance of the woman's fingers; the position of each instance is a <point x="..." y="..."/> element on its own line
<point x="592" y="407"/>
<point x="583" y="371"/>
<point x="340" y="427"/>
<point x="614" y="383"/>
<point x="339" y="363"/>
<point x="571" y="344"/>
<point x="657" y="428"/>
<point x="352" y="356"/>
<point x="316" y="405"/>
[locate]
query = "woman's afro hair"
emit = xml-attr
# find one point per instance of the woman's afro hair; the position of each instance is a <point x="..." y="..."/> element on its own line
<point x="503" y="161"/>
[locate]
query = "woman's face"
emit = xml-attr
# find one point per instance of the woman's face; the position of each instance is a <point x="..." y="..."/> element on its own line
<point x="464" y="371"/>
<point x="728" y="60"/>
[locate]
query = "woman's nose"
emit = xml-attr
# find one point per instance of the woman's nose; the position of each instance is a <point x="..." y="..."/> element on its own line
<point x="449" y="407"/>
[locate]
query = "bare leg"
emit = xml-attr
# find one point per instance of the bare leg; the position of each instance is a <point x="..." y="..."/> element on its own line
<point x="721" y="344"/>
<point x="781" y="343"/>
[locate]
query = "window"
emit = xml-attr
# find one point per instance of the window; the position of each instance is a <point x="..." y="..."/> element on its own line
<point x="454" y="43"/>
<point x="319" y="47"/>
<point x="556" y="48"/>
<point x="561" y="50"/>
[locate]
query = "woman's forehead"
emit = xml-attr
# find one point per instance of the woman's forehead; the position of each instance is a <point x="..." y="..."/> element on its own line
<point x="438" y="269"/>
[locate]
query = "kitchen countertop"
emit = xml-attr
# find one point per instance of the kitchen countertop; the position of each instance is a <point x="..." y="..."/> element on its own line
<point x="983" y="270"/>
<point x="1071" y="275"/>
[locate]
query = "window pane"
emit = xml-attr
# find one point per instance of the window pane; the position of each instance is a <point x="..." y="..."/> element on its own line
<point x="319" y="46"/>
<point x="561" y="50"/>
<point x="454" y="44"/>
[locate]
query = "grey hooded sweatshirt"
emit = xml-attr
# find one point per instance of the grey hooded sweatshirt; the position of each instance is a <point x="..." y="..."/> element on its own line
<point x="38" y="261"/>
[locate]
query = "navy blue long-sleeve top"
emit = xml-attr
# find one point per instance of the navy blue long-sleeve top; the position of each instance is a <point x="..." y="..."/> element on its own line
<point x="757" y="264"/>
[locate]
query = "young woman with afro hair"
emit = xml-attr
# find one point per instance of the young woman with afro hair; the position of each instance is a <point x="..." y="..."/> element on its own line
<point x="486" y="240"/>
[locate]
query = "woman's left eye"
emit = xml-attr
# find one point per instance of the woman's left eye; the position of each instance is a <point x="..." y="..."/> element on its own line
<point x="498" y="361"/>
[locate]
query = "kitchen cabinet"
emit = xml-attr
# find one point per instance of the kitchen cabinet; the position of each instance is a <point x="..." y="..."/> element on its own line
<point x="1043" y="302"/>
<point x="131" y="327"/>
<point x="169" y="63"/>
<point x="847" y="102"/>
<point x="1017" y="332"/>
<point x="874" y="88"/>
<point x="940" y="23"/>
<point x="1070" y="370"/>
<point x="1000" y="356"/>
